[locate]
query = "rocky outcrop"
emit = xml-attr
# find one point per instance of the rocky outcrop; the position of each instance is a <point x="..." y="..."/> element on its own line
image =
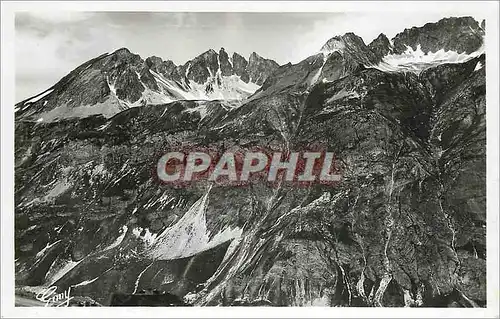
<point x="166" y="68"/>
<point x="226" y="66"/>
<point x="351" y="46"/>
<point x="380" y="46"/>
<point x="240" y="67"/>
<point x="114" y="82"/>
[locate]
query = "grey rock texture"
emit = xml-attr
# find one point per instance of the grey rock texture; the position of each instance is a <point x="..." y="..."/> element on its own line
<point x="380" y="46"/>
<point x="112" y="82"/>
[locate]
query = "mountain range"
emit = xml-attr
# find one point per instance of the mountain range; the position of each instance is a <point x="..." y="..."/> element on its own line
<point x="405" y="116"/>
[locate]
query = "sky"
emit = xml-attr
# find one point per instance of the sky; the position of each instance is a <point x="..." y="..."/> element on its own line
<point x="49" y="45"/>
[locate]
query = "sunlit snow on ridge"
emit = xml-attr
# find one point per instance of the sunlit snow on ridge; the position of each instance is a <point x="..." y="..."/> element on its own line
<point x="416" y="60"/>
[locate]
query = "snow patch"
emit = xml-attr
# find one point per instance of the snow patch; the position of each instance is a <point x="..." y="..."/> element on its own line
<point x="343" y="94"/>
<point x="59" y="188"/>
<point x="104" y="126"/>
<point x="187" y="69"/>
<point x="111" y="87"/>
<point x="108" y="108"/>
<point x="139" y="278"/>
<point x="230" y="88"/>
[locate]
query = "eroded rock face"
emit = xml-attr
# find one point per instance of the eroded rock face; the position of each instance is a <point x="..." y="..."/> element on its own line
<point x="166" y="68"/>
<point x="456" y="34"/>
<point x="353" y="46"/>
<point x="202" y="67"/>
<point x="128" y="87"/>
<point x="225" y="65"/>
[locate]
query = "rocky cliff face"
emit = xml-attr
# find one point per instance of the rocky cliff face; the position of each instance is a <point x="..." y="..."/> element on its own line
<point x="404" y="227"/>
<point x="451" y="34"/>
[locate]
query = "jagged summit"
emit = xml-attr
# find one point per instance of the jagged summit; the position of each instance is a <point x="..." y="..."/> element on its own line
<point x="381" y="45"/>
<point x="405" y="227"/>
<point x="352" y="45"/>
<point x="458" y="34"/>
<point x="119" y="80"/>
<point x="254" y="56"/>
<point x="337" y="43"/>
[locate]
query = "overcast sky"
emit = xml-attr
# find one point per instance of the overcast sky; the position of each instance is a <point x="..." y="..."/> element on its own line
<point x="50" y="44"/>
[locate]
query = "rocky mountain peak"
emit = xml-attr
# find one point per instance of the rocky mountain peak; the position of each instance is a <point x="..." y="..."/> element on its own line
<point x="122" y="51"/>
<point x="167" y="68"/>
<point x="254" y="56"/>
<point x="259" y="68"/>
<point x="406" y="225"/>
<point x="351" y="47"/>
<point x="123" y="54"/>
<point x="206" y="66"/>
<point x="154" y="61"/>
<point x="209" y="52"/>
<point x="226" y="67"/>
<point x="381" y="46"/>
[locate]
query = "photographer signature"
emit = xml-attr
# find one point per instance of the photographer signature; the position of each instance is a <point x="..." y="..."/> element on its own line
<point x="52" y="299"/>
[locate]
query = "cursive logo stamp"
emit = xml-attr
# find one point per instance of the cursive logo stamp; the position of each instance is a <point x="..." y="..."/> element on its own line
<point x="53" y="299"/>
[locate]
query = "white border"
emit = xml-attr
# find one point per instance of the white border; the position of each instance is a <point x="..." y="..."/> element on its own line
<point x="487" y="9"/>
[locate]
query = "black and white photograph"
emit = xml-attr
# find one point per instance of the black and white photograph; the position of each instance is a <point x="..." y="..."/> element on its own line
<point x="274" y="157"/>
